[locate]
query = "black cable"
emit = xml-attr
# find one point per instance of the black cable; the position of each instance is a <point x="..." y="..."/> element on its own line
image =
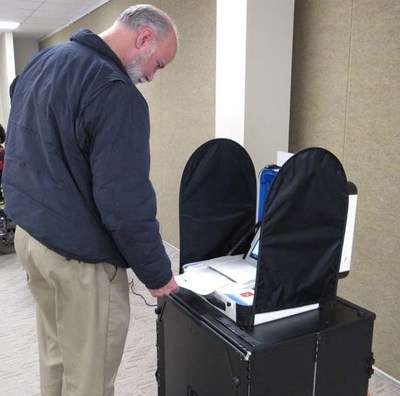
<point x="253" y="230"/>
<point x="132" y="284"/>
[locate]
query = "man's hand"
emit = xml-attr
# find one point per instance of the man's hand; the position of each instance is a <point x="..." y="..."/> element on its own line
<point x="170" y="287"/>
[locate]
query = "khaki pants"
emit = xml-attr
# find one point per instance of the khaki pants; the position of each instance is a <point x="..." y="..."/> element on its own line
<point x="82" y="319"/>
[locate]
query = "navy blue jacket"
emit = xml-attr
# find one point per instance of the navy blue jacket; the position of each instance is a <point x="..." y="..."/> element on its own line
<point x="77" y="163"/>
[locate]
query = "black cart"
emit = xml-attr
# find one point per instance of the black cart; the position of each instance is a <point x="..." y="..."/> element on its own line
<point x="325" y="352"/>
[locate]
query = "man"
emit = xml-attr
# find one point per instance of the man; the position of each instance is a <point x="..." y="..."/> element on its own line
<point x="76" y="182"/>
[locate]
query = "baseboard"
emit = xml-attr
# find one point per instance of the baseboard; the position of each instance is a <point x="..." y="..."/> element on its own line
<point x="171" y="246"/>
<point x="380" y="373"/>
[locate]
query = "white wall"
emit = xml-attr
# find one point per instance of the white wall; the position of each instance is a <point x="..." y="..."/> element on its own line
<point x="230" y="69"/>
<point x="7" y="74"/>
<point x="253" y="78"/>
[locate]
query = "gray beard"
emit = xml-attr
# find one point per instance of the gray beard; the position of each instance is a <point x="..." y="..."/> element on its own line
<point x="135" y="70"/>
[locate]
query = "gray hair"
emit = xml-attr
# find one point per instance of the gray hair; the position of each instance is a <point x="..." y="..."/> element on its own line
<point x="146" y="15"/>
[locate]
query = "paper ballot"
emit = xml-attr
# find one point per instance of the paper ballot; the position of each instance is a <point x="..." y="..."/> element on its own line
<point x="202" y="281"/>
<point x="207" y="276"/>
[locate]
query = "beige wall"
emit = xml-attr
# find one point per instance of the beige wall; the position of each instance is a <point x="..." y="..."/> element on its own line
<point x="346" y="98"/>
<point x="24" y="50"/>
<point x="181" y="97"/>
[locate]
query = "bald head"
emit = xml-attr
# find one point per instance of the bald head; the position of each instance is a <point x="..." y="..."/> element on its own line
<point x="145" y="40"/>
<point x="146" y="15"/>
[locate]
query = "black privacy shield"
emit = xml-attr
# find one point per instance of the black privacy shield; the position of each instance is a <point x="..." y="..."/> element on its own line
<point x="217" y="200"/>
<point x="302" y="232"/>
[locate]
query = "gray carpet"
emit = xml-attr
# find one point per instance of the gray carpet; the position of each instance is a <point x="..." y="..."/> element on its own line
<point x="18" y="350"/>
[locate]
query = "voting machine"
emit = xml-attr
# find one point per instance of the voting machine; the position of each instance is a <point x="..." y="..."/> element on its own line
<point x="258" y="254"/>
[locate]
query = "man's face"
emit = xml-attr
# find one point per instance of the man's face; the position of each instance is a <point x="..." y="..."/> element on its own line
<point x="155" y="57"/>
<point x="136" y="68"/>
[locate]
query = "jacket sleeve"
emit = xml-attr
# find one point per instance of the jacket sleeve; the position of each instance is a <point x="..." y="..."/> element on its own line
<point x="117" y="125"/>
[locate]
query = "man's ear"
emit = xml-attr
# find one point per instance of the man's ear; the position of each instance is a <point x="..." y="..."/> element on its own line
<point x="144" y="38"/>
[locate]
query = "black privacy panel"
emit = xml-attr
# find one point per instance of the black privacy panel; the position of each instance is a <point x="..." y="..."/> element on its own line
<point x="217" y="201"/>
<point x="302" y="232"/>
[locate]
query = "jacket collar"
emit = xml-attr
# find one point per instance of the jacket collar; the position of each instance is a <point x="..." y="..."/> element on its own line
<point x="93" y="41"/>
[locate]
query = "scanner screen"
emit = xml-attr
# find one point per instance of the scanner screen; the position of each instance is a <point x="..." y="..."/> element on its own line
<point x="254" y="252"/>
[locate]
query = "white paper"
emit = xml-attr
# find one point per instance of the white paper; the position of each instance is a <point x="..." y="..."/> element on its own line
<point x="282" y="157"/>
<point x="238" y="271"/>
<point x="204" y="277"/>
<point x="203" y="280"/>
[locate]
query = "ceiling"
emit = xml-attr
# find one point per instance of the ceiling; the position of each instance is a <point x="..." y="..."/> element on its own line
<point x="39" y="18"/>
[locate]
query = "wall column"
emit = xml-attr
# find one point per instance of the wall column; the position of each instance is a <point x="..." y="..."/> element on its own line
<point x="256" y="47"/>
<point x="7" y="74"/>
